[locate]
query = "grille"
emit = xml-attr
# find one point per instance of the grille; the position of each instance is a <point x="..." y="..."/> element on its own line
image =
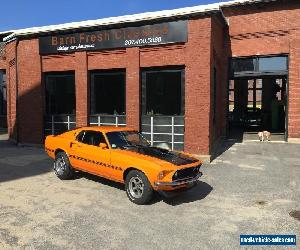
<point x="186" y="173"/>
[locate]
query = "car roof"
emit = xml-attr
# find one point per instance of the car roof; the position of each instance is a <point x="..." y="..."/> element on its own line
<point x="106" y="128"/>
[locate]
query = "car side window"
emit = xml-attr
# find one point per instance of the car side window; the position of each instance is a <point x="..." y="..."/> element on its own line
<point x="79" y="137"/>
<point x="93" y="138"/>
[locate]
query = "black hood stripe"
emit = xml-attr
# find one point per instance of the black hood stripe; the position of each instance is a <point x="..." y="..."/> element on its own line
<point x="175" y="158"/>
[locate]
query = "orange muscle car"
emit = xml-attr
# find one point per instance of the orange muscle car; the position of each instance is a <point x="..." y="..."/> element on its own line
<point x="122" y="155"/>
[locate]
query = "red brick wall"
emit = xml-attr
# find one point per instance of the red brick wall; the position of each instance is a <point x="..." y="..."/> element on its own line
<point x="2" y="63"/>
<point x="56" y="63"/>
<point x="294" y="87"/>
<point x="219" y="60"/>
<point x="108" y="59"/>
<point x="197" y="86"/>
<point x="30" y="93"/>
<point x="11" y="90"/>
<point x="270" y="28"/>
<point x="195" y="55"/>
<point x="133" y="88"/>
<point x="81" y="88"/>
<point x="259" y="29"/>
<point x="262" y="29"/>
<point x="162" y="55"/>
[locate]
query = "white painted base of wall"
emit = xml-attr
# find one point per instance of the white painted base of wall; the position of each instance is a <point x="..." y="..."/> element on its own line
<point x="294" y="140"/>
<point x="204" y="158"/>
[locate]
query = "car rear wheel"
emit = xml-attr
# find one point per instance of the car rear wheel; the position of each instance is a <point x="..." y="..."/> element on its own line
<point x="138" y="187"/>
<point x="62" y="166"/>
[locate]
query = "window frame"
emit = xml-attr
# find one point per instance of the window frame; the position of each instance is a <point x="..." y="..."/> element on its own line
<point x="145" y="71"/>
<point x="48" y="75"/>
<point x="92" y="75"/>
<point x="256" y="72"/>
<point x="83" y="134"/>
<point x="3" y="100"/>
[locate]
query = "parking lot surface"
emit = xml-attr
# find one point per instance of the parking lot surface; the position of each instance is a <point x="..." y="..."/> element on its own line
<point x="249" y="189"/>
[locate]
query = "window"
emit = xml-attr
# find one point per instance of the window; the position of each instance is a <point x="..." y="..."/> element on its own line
<point x="259" y="65"/>
<point x="79" y="137"/>
<point x="243" y="64"/>
<point x="254" y="94"/>
<point x="60" y="94"/>
<point x="272" y="63"/>
<point x="123" y="139"/>
<point x="93" y="138"/>
<point x="163" y="92"/>
<point x="3" y="98"/>
<point x="108" y="93"/>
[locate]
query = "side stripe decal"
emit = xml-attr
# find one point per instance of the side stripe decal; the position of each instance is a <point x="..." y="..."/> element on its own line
<point x="96" y="162"/>
<point x="90" y="161"/>
<point x="50" y="150"/>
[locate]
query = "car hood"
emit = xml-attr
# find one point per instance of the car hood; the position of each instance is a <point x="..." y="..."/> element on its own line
<point x="173" y="157"/>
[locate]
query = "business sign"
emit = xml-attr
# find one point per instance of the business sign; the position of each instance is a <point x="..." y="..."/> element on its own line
<point x="163" y="33"/>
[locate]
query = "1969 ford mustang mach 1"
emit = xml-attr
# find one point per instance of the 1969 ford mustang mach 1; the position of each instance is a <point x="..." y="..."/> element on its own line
<point x="122" y="155"/>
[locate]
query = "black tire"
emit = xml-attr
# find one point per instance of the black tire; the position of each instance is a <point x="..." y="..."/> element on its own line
<point x="62" y="166"/>
<point x="143" y="191"/>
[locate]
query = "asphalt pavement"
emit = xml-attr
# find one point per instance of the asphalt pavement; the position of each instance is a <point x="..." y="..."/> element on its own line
<point x="251" y="188"/>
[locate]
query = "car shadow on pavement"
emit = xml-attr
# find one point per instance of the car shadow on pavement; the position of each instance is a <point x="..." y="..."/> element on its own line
<point x="174" y="198"/>
<point x="9" y="172"/>
<point x="99" y="179"/>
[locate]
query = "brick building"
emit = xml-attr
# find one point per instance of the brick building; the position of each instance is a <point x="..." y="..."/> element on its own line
<point x="188" y="77"/>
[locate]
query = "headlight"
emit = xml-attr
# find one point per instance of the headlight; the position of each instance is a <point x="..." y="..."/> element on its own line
<point x="163" y="173"/>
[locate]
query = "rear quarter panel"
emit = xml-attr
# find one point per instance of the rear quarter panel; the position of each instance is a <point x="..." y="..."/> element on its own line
<point x="54" y="143"/>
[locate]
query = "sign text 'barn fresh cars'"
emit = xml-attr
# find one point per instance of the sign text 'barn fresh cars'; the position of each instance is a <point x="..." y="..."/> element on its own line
<point x="162" y="33"/>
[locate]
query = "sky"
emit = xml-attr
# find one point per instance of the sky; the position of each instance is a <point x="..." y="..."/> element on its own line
<point x="17" y="14"/>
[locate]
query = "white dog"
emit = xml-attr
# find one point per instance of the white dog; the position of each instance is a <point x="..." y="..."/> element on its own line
<point x="264" y="136"/>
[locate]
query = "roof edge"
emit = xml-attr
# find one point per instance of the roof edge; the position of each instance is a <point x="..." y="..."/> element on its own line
<point x="243" y="2"/>
<point x="147" y="16"/>
<point x="135" y="18"/>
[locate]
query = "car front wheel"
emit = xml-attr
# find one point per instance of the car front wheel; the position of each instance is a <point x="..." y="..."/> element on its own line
<point x="62" y="166"/>
<point x="138" y="187"/>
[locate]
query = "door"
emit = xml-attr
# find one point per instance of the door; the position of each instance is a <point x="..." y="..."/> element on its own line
<point x="258" y="104"/>
<point x="87" y="154"/>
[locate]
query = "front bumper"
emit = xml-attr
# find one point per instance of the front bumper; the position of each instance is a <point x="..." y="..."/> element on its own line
<point x="177" y="183"/>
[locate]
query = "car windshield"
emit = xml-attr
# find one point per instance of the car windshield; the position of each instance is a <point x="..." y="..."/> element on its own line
<point x="123" y="139"/>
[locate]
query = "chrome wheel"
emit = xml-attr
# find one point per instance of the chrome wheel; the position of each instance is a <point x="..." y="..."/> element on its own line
<point x="136" y="187"/>
<point x="59" y="166"/>
<point x="62" y="166"/>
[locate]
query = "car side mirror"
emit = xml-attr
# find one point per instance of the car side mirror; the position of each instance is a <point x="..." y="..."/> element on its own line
<point x="103" y="145"/>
